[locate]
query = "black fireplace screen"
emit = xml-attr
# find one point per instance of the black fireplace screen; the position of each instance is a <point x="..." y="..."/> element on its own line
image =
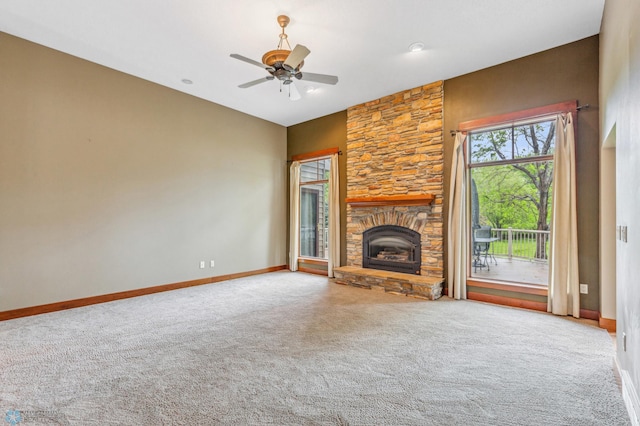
<point x="391" y="248"/>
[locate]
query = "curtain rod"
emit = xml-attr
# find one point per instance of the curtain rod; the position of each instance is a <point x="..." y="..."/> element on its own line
<point x="578" y="108"/>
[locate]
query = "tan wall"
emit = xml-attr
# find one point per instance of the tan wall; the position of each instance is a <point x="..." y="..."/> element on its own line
<point x="620" y="121"/>
<point x="111" y="183"/>
<point x="315" y="135"/>
<point x="564" y="73"/>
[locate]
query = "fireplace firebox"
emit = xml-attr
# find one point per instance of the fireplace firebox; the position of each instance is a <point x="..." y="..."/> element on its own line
<point x="391" y="248"/>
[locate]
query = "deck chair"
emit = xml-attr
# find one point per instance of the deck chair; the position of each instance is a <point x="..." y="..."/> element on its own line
<point x="482" y="250"/>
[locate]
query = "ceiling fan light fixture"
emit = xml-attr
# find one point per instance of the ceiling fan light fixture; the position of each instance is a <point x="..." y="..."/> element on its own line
<point x="416" y="46"/>
<point x="284" y="64"/>
<point x="272" y="57"/>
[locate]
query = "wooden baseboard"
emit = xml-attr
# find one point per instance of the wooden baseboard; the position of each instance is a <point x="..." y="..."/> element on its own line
<point x="507" y="301"/>
<point x="85" y="301"/>
<point x="528" y="304"/>
<point x="313" y="271"/>
<point x="588" y="314"/>
<point x="608" y="324"/>
<point x="318" y="262"/>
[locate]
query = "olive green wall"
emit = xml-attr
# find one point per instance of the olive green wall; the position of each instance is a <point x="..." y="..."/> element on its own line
<point x="322" y="133"/>
<point x="564" y="73"/>
<point x="556" y="75"/>
<point x="110" y="183"/>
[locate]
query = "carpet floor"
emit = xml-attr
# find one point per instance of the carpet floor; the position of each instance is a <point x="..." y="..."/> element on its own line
<point x="296" y="349"/>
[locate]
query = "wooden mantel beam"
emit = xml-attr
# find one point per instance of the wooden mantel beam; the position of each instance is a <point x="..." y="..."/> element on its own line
<point x="391" y="200"/>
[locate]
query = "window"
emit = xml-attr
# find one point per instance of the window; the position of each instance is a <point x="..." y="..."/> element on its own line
<point x="511" y="170"/>
<point x="314" y="208"/>
<point x="525" y="142"/>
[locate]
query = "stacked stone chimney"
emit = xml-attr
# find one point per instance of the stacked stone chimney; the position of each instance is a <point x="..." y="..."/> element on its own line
<point x="395" y="147"/>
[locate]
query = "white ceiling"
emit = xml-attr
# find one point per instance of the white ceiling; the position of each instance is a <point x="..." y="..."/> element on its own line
<point x="363" y="42"/>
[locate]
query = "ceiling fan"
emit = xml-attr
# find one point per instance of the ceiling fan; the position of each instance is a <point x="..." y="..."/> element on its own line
<point x="284" y="65"/>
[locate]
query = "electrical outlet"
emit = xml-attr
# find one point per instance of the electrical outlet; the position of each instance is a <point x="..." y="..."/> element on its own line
<point x="213" y="263"/>
<point x="202" y="264"/>
<point x="584" y="288"/>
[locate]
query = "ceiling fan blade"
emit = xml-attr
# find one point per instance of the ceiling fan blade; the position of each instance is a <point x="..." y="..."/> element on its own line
<point x="319" y="78"/>
<point x="296" y="56"/>
<point x="294" y="95"/>
<point x="249" y="61"/>
<point x="254" y="82"/>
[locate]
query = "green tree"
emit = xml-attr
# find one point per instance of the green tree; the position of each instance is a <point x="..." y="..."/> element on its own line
<point x="533" y="183"/>
<point x="504" y="198"/>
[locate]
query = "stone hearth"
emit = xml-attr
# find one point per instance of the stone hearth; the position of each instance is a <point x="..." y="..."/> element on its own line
<point x="390" y="282"/>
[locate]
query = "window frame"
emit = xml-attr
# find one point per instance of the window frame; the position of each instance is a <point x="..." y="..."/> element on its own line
<point x="324" y="154"/>
<point x="512" y="126"/>
<point x="495" y="122"/>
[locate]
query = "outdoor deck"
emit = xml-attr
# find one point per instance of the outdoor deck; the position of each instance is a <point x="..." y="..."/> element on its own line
<point x="514" y="270"/>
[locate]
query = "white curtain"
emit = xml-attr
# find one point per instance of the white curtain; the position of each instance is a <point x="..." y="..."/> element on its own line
<point x="294" y="215"/>
<point x="334" y="216"/>
<point x="564" y="295"/>
<point x="457" y="234"/>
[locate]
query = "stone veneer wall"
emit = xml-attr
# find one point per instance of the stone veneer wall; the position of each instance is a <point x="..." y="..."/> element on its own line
<point x="395" y="147"/>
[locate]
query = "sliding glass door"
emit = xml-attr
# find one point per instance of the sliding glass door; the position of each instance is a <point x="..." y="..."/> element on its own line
<point x="511" y="171"/>
<point x="314" y="208"/>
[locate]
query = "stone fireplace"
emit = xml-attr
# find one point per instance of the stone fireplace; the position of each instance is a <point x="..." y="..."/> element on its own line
<point x="395" y="181"/>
